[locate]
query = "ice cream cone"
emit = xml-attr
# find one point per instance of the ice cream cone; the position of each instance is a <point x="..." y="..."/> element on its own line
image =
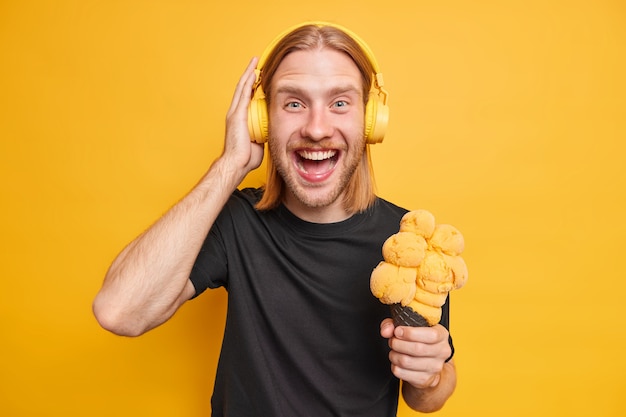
<point x="406" y="316"/>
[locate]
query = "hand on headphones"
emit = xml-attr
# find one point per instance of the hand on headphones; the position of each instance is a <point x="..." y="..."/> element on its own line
<point x="242" y="153"/>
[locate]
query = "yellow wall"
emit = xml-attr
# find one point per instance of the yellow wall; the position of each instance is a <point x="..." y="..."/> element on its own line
<point x="508" y="121"/>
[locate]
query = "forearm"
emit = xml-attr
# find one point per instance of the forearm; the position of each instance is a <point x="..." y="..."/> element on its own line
<point x="149" y="279"/>
<point x="428" y="400"/>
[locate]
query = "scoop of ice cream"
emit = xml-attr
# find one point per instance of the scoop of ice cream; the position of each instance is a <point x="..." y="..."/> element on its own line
<point x="430" y="298"/>
<point x="421" y="222"/>
<point x="393" y="284"/>
<point x="434" y="268"/>
<point x="448" y="239"/>
<point x="404" y="249"/>
<point x="435" y="287"/>
<point x="459" y="270"/>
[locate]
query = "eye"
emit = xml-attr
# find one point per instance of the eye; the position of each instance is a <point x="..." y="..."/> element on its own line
<point x="341" y="106"/>
<point x="293" y="105"/>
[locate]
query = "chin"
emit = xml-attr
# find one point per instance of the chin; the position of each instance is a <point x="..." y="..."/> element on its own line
<point x="312" y="198"/>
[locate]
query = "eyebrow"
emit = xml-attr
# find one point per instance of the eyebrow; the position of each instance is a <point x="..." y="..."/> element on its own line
<point x="335" y="91"/>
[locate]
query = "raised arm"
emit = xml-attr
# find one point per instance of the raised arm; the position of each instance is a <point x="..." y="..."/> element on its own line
<point x="149" y="279"/>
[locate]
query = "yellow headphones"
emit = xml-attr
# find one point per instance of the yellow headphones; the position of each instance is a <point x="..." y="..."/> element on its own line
<point x="376" y="110"/>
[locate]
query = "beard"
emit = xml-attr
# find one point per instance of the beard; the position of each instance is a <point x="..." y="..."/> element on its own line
<point x="310" y="194"/>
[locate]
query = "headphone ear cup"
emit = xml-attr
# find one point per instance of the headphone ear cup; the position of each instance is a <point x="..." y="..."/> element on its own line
<point x="257" y="117"/>
<point x="376" y="120"/>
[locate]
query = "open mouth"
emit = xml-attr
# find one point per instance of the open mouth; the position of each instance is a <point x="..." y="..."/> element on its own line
<point x="316" y="164"/>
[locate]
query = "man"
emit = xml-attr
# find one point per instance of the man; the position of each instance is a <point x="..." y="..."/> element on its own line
<point x="303" y="336"/>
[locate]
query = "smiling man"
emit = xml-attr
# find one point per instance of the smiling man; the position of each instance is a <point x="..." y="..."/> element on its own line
<point x="304" y="336"/>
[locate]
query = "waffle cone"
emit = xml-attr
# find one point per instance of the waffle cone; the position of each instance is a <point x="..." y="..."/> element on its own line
<point x="406" y="316"/>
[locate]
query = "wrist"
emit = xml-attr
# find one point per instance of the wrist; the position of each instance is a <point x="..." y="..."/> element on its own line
<point x="228" y="171"/>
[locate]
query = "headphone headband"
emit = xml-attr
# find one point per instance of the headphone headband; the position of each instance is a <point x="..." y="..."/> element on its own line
<point x="378" y="77"/>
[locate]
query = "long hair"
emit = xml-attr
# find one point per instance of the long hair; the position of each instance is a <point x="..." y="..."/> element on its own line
<point x="361" y="190"/>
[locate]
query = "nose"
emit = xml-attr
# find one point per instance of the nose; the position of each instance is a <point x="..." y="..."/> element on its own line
<point x="318" y="124"/>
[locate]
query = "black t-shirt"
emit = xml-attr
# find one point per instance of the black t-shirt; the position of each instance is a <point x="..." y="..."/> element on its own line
<point x="302" y="329"/>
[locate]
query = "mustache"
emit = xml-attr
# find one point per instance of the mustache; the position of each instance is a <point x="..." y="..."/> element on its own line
<point x="323" y="144"/>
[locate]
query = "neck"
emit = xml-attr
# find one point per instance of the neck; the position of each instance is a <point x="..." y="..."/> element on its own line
<point x="332" y="213"/>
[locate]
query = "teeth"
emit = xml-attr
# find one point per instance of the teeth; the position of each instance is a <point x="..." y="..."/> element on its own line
<point x="317" y="155"/>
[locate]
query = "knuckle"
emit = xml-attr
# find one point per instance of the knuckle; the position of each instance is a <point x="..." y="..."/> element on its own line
<point x="418" y="349"/>
<point x="405" y="361"/>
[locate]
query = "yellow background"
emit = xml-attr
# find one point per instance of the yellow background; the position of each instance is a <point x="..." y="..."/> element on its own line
<point x="507" y="120"/>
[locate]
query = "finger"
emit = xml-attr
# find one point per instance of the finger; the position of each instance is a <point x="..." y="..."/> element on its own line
<point x="420" y="375"/>
<point x="411" y="349"/>
<point x="429" y="335"/>
<point x="387" y="328"/>
<point x="438" y="352"/>
<point x="417" y="379"/>
<point x="243" y="90"/>
<point x="435" y="381"/>
<point x="244" y="85"/>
